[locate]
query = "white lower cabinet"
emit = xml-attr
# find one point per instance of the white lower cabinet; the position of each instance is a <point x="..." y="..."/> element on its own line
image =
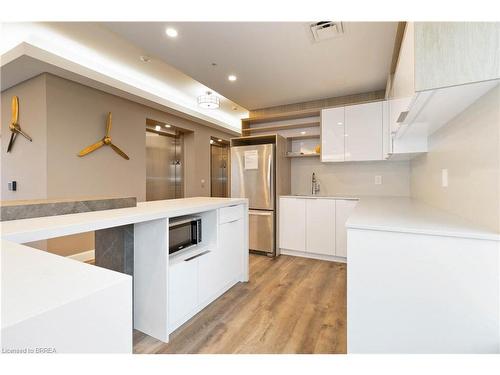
<point x="293" y="224"/>
<point x="231" y="249"/>
<point x="320" y="226"/>
<point x="182" y="291"/>
<point x="198" y="279"/>
<point x="343" y="209"/>
<point x="223" y="265"/>
<point x="315" y="225"/>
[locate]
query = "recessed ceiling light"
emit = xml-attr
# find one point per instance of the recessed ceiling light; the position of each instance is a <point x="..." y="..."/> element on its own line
<point x="303" y="132"/>
<point x="219" y="140"/>
<point x="145" y="58"/>
<point x="211" y="141"/>
<point x="339" y="123"/>
<point x="157" y="127"/>
<point x="168" y="126"/>
<point x="231" y="77"/>
<point x="171" y="32"/>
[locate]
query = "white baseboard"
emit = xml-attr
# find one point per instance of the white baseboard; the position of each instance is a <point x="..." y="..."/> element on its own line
<point x="303" y="254"/>
<point x="84" y="256"/>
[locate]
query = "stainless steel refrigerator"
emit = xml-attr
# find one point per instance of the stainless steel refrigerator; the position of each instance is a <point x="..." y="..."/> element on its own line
<point x="252" y="177"/>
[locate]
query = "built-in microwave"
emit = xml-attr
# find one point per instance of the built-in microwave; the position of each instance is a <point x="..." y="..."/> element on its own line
<point x="183" y="233"/>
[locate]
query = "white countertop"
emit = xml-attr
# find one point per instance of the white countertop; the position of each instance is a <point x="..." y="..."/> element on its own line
<point x="27" y="230"/>
<point x="34" y="281"/>
<point x="322" y="196"/>
<point x="400" y="214"/>
<point x="406" y="215"/>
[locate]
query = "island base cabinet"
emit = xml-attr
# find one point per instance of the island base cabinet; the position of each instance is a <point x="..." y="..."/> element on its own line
<point x="182" y="291"/>
<point x="221" y="268"/>
<point x="231" y="248"/>
<point x="198" y="279"/>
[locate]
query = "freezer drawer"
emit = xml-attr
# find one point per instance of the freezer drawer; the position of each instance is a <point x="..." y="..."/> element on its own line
<point x="261" y="231"/>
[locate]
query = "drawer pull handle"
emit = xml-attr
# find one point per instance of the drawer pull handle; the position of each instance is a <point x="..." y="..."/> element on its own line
<point x="196" y="256"/>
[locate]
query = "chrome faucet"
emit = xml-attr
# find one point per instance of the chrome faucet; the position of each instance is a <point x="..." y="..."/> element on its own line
<point x="314" y="184"/>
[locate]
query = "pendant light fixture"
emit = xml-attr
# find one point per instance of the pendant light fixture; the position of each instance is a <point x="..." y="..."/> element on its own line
<point x="208" y="101"/>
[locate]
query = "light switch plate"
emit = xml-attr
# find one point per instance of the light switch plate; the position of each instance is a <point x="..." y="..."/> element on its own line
<point x="378" y="180"/>
<point x="444" y="177"/>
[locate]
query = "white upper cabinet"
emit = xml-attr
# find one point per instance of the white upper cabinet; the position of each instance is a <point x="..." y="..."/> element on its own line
<point x="443" y="67"/>
<point x="353" y="133"/>
<point x="320" y="226"/>
<point x="293" y="224"/>
<point x="364" y="132"/>
<point x="332" y="134"/>
<point x="455" y="53"/>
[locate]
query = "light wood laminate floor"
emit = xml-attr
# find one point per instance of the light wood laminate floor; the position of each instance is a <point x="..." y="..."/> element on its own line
<point x="290" y="305"/>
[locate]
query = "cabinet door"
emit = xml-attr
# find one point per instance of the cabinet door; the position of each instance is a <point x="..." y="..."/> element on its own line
<point x="332" y="134"/>
<point x="223" y="266"/>
<point x="231" y="246"/>
<point x="293" y="224"/>
<point x="343" y="209"/>
<point x="364" y="132"/>
<point x="320" y="226"/>
<point x="182" y="291"/>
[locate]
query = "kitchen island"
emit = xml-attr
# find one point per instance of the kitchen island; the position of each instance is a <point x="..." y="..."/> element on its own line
<point x="161" y="284"/>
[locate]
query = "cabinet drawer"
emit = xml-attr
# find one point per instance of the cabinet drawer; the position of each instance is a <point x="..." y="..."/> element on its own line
<point x="231" y="213"/>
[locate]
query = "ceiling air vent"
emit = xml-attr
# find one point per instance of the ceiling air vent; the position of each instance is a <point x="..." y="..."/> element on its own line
<point x="324" y="30"/>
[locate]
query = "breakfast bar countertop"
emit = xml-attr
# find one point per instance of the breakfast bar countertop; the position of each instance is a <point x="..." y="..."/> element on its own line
<point x="28" y="230"/>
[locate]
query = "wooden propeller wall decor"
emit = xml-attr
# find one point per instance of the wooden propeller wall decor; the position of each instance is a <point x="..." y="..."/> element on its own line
<point x="106" y="141"/>
<point x="14" y="126"/>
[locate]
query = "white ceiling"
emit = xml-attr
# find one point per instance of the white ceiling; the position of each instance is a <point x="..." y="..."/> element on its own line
<point x="91" y="54"/>
<point x="275" y="62"/>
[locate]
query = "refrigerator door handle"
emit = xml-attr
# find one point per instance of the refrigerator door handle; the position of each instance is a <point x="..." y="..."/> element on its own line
<point x="269" y="161"/>
<point x="259" y="213"/>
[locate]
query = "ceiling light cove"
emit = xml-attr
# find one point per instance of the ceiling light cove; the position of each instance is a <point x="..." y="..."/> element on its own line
<point x="171" y="32"/>
<point x="232" y="77"/>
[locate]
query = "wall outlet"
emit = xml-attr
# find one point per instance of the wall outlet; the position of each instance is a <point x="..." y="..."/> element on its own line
<point x="444" y="177"/>
<point x="12" y="185"/>
<point x="378" y="180"/>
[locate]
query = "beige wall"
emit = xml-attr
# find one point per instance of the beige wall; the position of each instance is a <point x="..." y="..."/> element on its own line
<point x="469" y="147"/>
<point x="75" y="116"/>
<point x="26" y="163"/>
<point x="352" y="178"/>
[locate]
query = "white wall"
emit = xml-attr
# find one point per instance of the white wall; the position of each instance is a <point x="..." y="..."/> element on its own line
<point x="352" y="178"/>
<point x="469" y="147"/>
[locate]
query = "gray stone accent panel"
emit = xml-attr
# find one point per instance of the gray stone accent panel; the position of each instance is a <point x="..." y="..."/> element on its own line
<point x="13" y="210"/>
